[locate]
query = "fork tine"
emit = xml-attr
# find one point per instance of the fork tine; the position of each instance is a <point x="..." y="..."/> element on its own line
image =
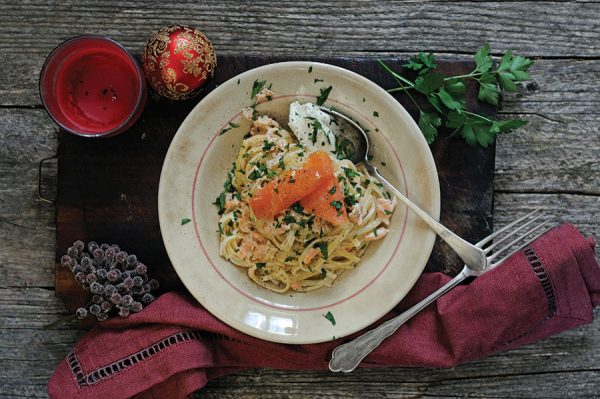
<point x="502" y="230"/>
<point x="516" y="240"/>
<point x="496" y="263"/>
<point x="488" y="249"/>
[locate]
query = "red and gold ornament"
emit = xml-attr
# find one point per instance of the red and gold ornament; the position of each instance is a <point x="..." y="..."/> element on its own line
<point x="178" y="60"/>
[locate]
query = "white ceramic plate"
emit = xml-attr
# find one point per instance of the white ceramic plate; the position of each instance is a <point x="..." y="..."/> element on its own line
<point x="195" y="169"/>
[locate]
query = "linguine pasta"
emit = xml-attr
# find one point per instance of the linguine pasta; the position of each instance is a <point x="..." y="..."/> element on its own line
<point x="296" y="249"/>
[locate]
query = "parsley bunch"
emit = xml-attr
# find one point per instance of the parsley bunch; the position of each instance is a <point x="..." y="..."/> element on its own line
<point x="447" y="94"/>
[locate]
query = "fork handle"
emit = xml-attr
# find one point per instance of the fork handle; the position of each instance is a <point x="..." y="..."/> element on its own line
<point x="470" y="255"/>
<point x="346" y="357"/>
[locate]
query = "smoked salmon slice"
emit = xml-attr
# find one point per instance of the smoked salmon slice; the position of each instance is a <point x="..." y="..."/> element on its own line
<point x="327" y="202"/>
<point x="292" y="185"/>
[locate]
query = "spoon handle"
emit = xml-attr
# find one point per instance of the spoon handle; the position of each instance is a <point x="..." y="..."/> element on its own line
<point x="472" y="256"/>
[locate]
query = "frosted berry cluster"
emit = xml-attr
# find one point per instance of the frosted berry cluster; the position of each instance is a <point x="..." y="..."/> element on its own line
<point x="118" y="281"/>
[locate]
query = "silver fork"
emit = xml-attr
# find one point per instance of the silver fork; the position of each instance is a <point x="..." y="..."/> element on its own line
<point x="346" y="357"/>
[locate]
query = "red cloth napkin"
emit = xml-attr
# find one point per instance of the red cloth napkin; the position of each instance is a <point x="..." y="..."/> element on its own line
<point x="174" y="346"/>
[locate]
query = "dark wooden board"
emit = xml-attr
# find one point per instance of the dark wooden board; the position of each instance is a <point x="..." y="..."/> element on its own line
<point x="107" y="188"/>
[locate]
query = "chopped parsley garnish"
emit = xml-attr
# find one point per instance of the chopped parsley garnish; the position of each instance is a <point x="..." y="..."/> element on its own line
<point x="247" y="135"/>
<point x="350" y="200"/>
<point x="255" y="175"/>
<point x="369" y="157"/>
<point x="344" y="148"/>
<point x="224" y="131"/>
<point x="332" y="191"/>
<point x="387" y="195"/>
<point x="364" y="99"/>
<point x="296" y="207"/>
<point x="267" y="145"/>
<point x="220" y="203"/>
<point x="310" y="69"/>
<point x="330" y="317"/>
<point x="260" y="265"/>
<point x="290" y="258"/>
<point x="387" y="212"/>
<point x="324" y="94"/>
<point x="316" y="127"/>
<point x="257" y="87"/>
<point x="350" y="173"/>
<point x="238" y="82"/>
<point x="323" y="247"/>
<point x="185" y="221"/>
<point x="376" y="114"/>
<point x="383" y="163"/>
<point x="233" y="125"/>
<point x="281" y="163"/>
<point x="318" y="80"/>
<point x="220" y="228"/>
<point x="228" y="186"/>
<point x="289" y="219"/>
<point x="323" y="273"/>
<point x="336" y="204"/>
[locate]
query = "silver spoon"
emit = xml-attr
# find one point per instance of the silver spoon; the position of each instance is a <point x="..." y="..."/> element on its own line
<point x="471" y="255"/>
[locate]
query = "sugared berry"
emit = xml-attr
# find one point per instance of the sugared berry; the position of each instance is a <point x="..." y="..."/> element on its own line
<point x="115" y="298"/>
<point x="106" y="306"/>
<point x="121" y="256"/>
<point x="81" y="313"/>
<point x="128" y="283"/>
<point x="138" y="281"/>
<point x="141" y="268"/>
<point x="73" y="252"/>
<point x="109" y="289"/>
<point x="147" y="298"/>
<point x="137" y="307"/>
<point x="124" y="312"/>
<point x="86" y="264"/>
<point x="80" y="277"/>
<point x="102" y="316"/>
<point x="98" y="254"/>
<point x="126" y="300"/>
<point x="95" y="309"/>
<point x="137" y="291"/>
<point x="96" y="288"/>
<point x="92" y="245"/>
<point x="66" y="261"/>
<point x="79" y="245"/>
<point x="76" y="269"/>
<point x="97" y="299"/>
<point x="113" y="275"/>
<point x="91" y="277"/>
<point x="101" y="273"/>
<point x="104" y="246"/>
<point x="131" y="260"/>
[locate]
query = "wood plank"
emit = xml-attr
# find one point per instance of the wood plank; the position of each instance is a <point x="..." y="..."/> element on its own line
<point x="333" y="25"/>
<point x="31" y="30"/>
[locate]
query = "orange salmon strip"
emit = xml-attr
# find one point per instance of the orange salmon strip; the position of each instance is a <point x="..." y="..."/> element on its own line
<point x="278" y="195"/>
<point x="326" y="205"/>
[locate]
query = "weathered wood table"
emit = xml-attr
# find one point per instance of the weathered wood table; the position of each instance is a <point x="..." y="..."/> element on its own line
<point x="553" y="163"/>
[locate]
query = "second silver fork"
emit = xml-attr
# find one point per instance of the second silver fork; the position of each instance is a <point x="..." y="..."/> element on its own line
<point x="348" y="356"/>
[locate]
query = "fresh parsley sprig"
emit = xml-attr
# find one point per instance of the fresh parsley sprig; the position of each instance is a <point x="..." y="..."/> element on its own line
<point x="447" y="94"/>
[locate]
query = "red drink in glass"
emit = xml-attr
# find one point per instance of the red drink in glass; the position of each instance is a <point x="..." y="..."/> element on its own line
<point x="91" y="86"/>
